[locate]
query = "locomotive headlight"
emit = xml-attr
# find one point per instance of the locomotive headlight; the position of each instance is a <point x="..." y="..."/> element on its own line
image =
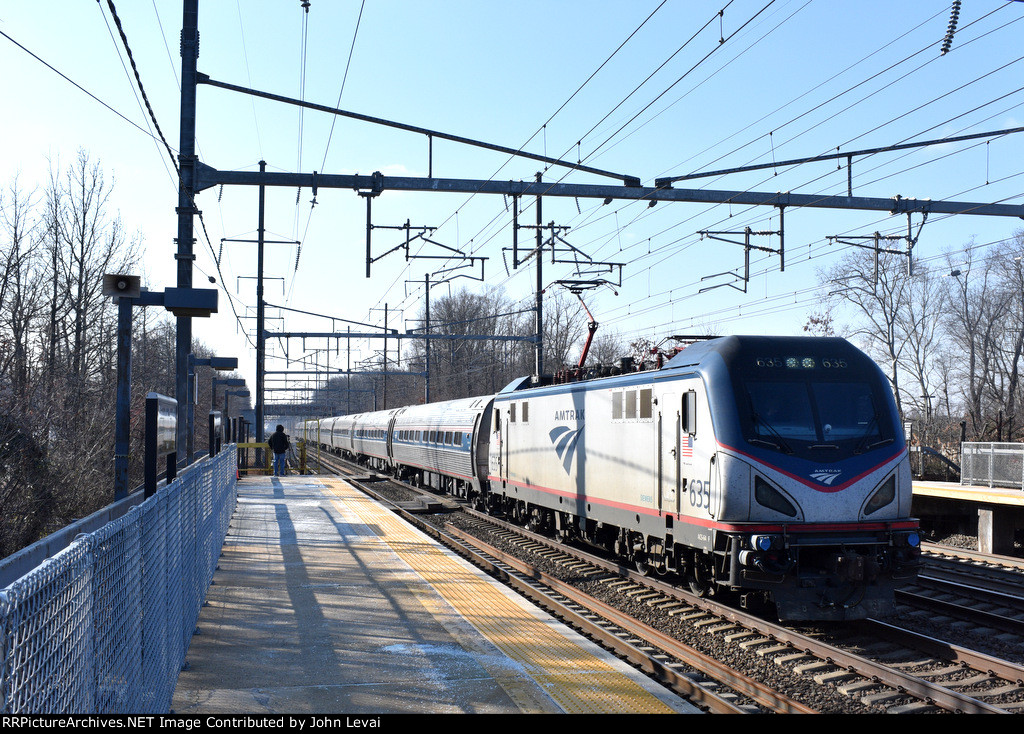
<point x="882" y="496"/>
<point x="770" y="497"/>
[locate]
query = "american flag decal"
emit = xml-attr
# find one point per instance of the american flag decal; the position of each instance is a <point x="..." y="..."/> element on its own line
<point x="687" y="447"/>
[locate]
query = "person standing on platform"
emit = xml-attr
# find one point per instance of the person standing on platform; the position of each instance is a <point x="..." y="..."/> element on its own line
<point x="279" y="445"/>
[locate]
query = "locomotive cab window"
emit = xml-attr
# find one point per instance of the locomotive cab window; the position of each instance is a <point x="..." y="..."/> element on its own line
<point x="813" y="406"/>
<point x="689" y="412"/>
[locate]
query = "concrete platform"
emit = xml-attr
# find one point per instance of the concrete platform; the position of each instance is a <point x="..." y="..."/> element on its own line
<point x="997" y="513"/>
<point x="326" y="602"/>
<point x="954" y="490"/>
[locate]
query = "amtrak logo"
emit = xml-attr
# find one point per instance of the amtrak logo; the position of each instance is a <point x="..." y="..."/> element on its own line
<point x="826" y="476"/>
<point x="564" y="440"/>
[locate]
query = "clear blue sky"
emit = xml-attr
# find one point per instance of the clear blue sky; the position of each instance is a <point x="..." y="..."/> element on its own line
<point x="791" y="79"/>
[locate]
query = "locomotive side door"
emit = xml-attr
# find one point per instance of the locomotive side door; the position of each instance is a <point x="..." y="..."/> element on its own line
<point x="669" y="432"/>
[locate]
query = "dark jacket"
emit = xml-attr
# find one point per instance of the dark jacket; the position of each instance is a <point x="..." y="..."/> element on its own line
<point x="278" y="442"/>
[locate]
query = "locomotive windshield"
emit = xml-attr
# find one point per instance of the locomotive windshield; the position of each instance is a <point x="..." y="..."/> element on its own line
<point x="811" y="406"/>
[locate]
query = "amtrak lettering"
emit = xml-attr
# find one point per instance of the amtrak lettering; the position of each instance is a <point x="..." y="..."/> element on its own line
<point x="826" y="476"/>
<point x="569" y="415"/>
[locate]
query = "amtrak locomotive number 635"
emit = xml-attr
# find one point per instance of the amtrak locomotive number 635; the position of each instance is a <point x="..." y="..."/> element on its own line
<point x="772" y="467"/>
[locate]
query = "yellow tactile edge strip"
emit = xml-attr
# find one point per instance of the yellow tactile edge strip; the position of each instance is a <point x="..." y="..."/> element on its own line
<point x="577" y="680"/>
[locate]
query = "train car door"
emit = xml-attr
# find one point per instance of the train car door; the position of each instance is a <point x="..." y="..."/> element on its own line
<point x="669" y="432"/>
<point x="390" y="436"/>
<point x="496" y="456"/>
<point x="480" y="443"/>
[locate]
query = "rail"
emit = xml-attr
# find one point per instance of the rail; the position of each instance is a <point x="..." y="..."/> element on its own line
<point x="102" y="626"/>
<point x="992" y="465"/>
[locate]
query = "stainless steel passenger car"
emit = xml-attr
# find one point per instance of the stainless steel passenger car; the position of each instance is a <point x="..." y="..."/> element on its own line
<point x="444" y="445"/>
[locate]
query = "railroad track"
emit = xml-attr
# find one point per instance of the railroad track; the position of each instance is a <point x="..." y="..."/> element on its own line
<point x="969" y="601"/>
<point x="977" y="559"/>
<point x="973" y="568"/>
<point x="985" y="590"/>
<point x="873" y="666"/>
<point x="869" y="665"/>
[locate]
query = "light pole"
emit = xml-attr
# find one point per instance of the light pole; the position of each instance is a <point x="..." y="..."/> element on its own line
<point x="226" y="382"/>
<point x="127" y="290"/>
<point x="228" y="394"/>
<point x="221" y="364"/>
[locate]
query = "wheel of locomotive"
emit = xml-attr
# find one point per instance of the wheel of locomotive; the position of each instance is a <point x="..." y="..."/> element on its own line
<point x="698" y="577"/>
<point x="639" y="555"/>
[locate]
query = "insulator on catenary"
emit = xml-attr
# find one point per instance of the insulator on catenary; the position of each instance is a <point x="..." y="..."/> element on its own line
<point x="954" y="16"/>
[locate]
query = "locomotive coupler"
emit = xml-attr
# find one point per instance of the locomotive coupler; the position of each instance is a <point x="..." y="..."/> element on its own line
<point x="853" y="567"/>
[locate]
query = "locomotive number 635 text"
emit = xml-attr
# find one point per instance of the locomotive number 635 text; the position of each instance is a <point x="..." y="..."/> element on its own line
<point x="700" y="494"/>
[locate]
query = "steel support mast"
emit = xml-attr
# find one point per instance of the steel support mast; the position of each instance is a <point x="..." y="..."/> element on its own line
<point x="185" y="256"/>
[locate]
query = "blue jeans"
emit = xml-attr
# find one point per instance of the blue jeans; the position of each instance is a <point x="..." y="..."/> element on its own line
<point x="279" y="465"/>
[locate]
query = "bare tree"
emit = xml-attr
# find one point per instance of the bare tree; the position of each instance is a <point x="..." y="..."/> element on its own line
<point x="1009" y="265"/>
<point x="19" y="282"/>
<point x="820" y="324"/>
<point x="57" y="350"/>
<point x="976" y="310"/>
<point x="608" y="347"/>
<point x="877" y="295"/>
<point x="919" y="328"/>
<point x="953" y="341"/>
<point x="94" y="244"/>
<point x="565" y="330"/>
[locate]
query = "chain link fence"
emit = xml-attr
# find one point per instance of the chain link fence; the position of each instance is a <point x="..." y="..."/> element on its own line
<point x="103" y="626"/>
<point x="992" y="465"/>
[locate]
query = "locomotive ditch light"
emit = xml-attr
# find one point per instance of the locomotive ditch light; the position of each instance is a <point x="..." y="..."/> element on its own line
<point x="762" y="542"/>
<point x="911" y="539"/>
